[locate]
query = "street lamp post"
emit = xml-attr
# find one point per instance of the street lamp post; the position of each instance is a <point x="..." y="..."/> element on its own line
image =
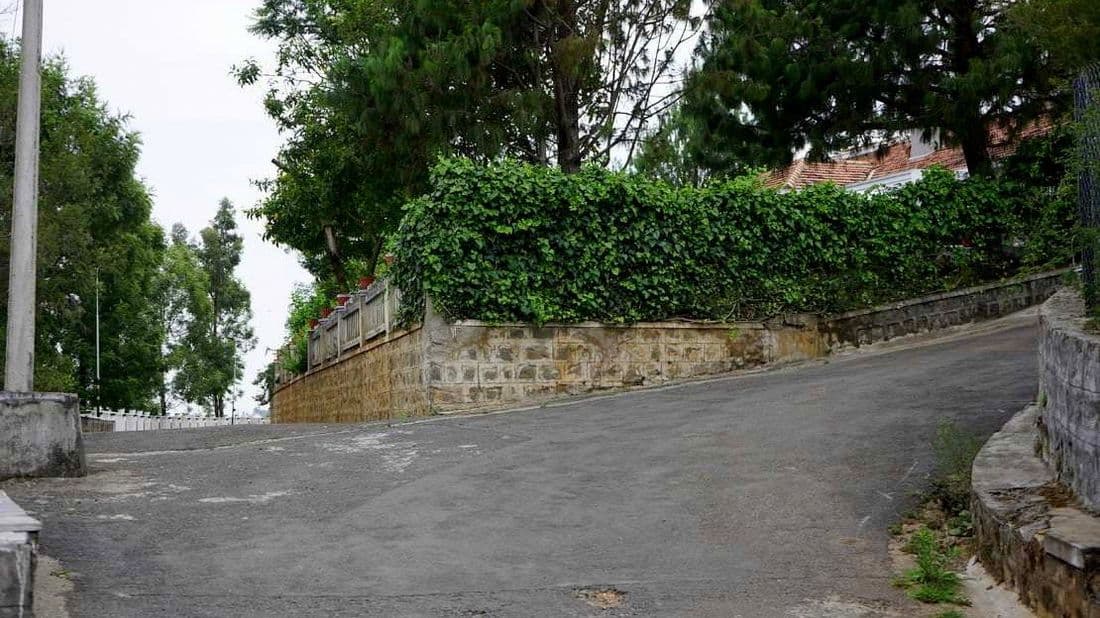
<point x="98" y="394"/>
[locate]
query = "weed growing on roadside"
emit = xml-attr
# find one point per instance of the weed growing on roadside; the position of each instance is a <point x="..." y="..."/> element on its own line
<point x="951" y="613"/>
<point x="931" y="581"/>
<point x="955" y="450"/>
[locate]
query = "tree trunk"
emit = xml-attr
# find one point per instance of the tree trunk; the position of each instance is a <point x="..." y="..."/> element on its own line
<point x="972" y="130"/>
<point x="566" y="85"/>
<point x="975" y="147"/>
<point x="335" y="259"/>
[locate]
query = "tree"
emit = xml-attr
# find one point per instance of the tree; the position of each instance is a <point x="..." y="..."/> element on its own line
<point x="776" y="76"/>
<point x="1069" y="30"/>
<point x="94" y="229"/>
<point x="371" y="92"/>
<point x="219" y="254"/>
<point x="187" y="314"/>
<point x="671" y="152"/>
<point x="265" y="383"/>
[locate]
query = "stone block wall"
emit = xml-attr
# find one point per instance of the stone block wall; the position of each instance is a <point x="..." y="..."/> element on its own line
<point x="446" y="366"/>
<point x="937" y="311"/>
<point x="384" y="380"/>
<point x="1069" y="395"/>
<point x="473" y="364"/>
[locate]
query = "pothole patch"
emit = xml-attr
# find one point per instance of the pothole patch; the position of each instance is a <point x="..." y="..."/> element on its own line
<point x="602" y="598"/>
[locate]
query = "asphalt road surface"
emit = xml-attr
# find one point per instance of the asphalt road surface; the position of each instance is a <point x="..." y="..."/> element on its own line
<point x="755" y="496"/>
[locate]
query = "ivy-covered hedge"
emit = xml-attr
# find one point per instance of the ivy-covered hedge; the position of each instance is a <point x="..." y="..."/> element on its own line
<point x="515" y="242"/>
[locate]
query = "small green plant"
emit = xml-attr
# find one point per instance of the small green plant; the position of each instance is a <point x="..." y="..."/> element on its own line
<point x="955" y="450"/>
<point x="961" y="524"/>
<point x="951" y="613"/>
<point x="932" y="580"/>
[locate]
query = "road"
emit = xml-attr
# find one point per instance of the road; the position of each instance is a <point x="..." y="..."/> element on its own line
<point x="760" y="495"/>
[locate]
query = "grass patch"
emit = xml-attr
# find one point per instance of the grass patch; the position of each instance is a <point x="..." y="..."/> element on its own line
<point x="939" y="533"/>
<point x="932" y="580"/>
<point x="951" y="613"/>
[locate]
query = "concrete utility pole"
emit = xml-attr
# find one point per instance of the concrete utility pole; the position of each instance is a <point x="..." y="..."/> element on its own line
<point x="41" y="431"/>
<point x="19" y="359"/>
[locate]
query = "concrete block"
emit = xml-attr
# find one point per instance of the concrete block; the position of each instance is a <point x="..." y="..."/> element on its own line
<point x="40" y="435"/>
<point x="18" y="549"/>
<point x="17" y="559"/>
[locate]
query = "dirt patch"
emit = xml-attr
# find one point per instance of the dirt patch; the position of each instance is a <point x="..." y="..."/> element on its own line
<point x="52" y="585"/>
<point x="1058" y="495"/>
<point x="602" y="598"/>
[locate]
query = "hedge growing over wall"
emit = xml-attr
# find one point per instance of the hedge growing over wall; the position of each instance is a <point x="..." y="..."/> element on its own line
<point x="516" y="242"/>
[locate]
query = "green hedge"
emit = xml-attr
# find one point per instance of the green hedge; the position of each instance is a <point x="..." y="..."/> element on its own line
<point x="515" y="242"/>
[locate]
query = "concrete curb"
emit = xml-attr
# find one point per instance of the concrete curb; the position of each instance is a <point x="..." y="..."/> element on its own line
<point x="1031" y="535"/>
<point x="18" y="554"/>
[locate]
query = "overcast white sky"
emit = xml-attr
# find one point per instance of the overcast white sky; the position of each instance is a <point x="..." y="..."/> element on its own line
<point x="166" y="63"/>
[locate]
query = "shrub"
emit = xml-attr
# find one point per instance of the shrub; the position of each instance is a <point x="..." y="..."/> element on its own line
<point x="955" y="450"/>
<point x="515" y="242"/>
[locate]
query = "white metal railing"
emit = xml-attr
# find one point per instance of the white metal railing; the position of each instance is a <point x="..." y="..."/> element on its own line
<point x="143" y="421"/>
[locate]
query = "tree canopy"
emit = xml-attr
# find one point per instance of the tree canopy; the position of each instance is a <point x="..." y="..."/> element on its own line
<point x="94" y="226"/>
<point x="778" y="76"/>
<point x="371" y="92"/>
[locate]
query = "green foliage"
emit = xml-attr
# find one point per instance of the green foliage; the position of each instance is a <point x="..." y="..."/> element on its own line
<point x="370" y="92"/>
<point x="1069" y="30"/>
<point x="188" y="317"/>
<point x="670" y="152"/>
<point x="306" y="303"/>
<point x="955" y="450"/>
<point x="1040" y="173"/>
<point x="514" y="242"/>
<point x="93" y="223"/>
<point x="230" y="335"/>
<point x="932" y="580"/>
<point x="265" y="383"/>
<point x="775" y="76"/>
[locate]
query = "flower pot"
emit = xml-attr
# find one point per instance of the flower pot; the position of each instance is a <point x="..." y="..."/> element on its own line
<point x="365" y="282"/>
<point x="313" y="323"/>
<point x="342" y="299"/>
<point x="326" y="312"/>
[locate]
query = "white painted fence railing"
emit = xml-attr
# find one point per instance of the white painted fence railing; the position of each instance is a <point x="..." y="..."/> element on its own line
<point x="143" y="421"/>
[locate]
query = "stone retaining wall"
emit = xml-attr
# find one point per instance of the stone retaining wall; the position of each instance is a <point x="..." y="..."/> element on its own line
<point x="1030" y="534"/>
<point x="381" y="381"/>
<point x="450" y="366"/>
<point x="472" y="364"/>
<point x="91" y="424"/>
<point x="1069" y="394"/>
<point x="937" y="311"/>
<point x="1035" y="481"/>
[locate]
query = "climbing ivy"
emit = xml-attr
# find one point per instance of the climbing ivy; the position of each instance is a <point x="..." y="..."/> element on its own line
<point x="518" y="242"/>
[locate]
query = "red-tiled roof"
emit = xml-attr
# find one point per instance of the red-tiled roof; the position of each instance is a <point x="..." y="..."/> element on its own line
<point x="802" y="173"/>
<point x="893" y="159"/>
